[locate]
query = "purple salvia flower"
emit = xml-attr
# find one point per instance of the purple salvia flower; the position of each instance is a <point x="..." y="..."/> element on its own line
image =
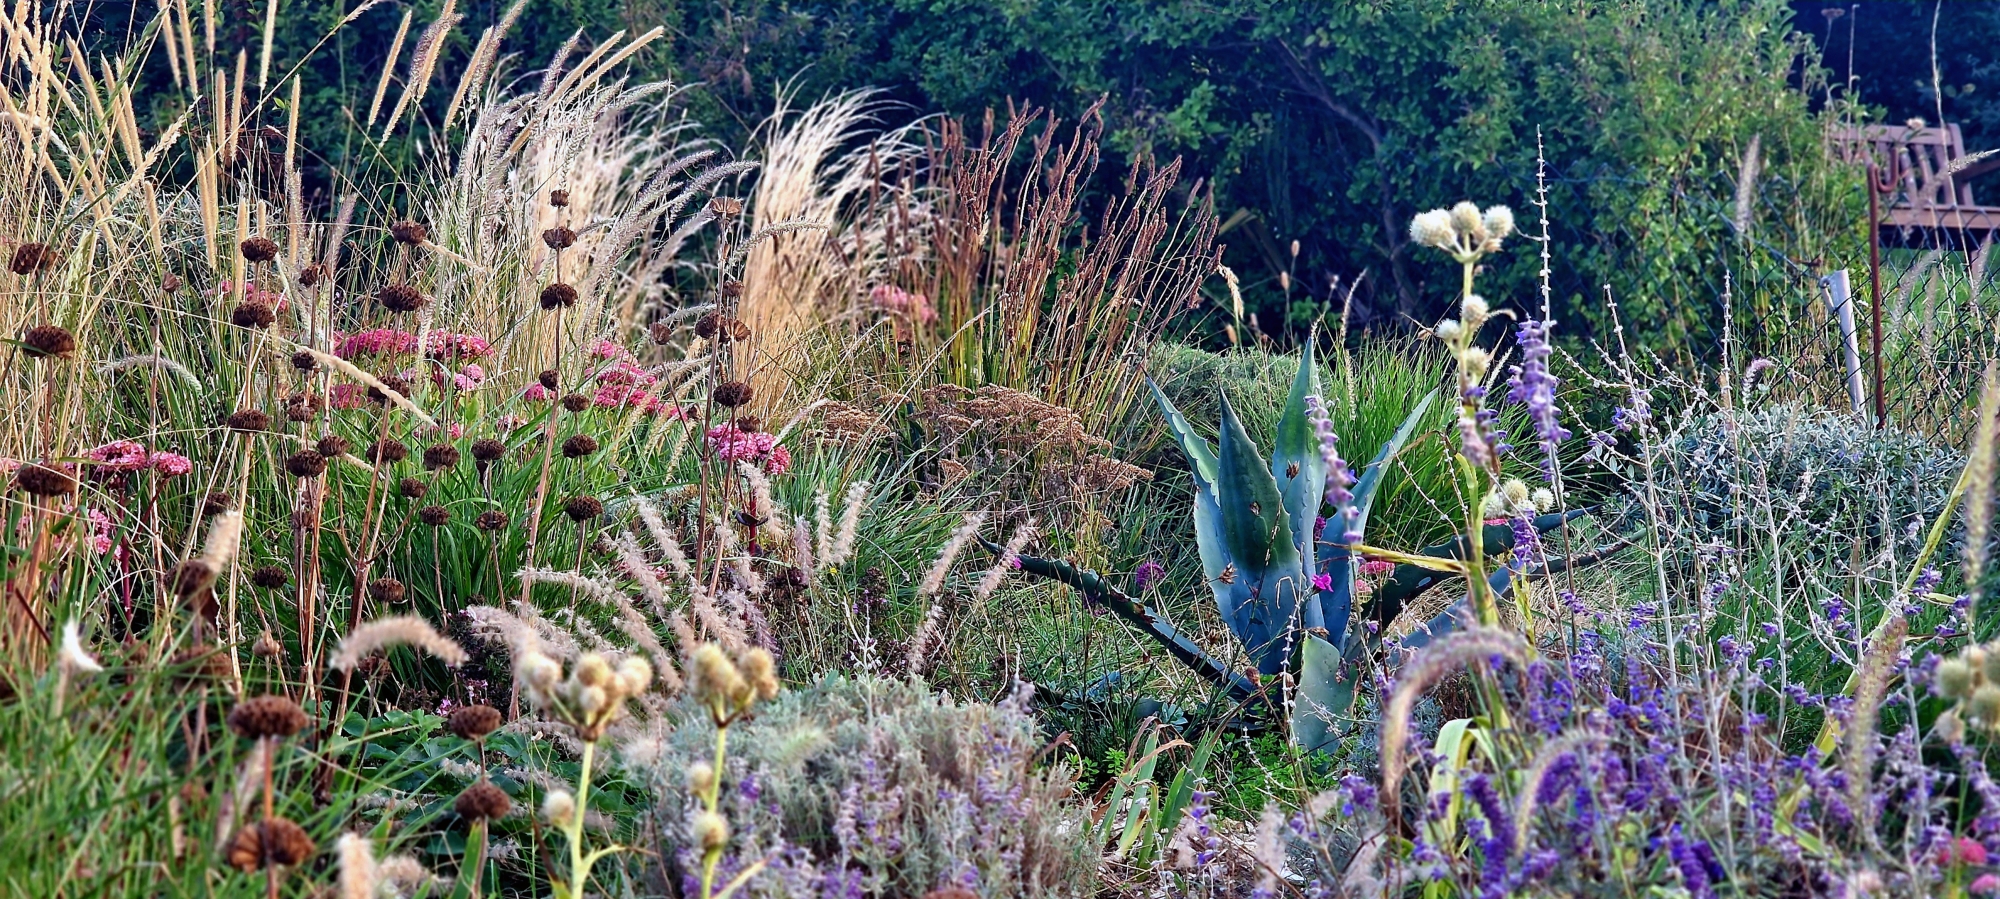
<point x="1339" y="477"/>
<point x="1534" y="386"/>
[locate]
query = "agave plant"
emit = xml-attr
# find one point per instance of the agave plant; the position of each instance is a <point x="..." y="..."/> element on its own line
<point x="1285" y="590"/>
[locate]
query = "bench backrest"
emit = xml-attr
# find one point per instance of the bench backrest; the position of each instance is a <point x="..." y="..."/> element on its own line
<point x="1922" y="156"/>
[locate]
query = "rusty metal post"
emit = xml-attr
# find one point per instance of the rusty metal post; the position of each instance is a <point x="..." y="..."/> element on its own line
<point x="1877" y="186"/>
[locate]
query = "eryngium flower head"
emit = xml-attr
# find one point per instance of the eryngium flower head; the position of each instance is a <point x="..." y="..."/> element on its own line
<point x="482" y="801"/>
<point x="333" y="445"/>
<point x="558" y="295"/>
<point x="248" y="421"/>
<point x="259" y="249"/>
<point x="390" y="450"/>
<point x="304" y="361"/>
<point x="473" y="722"/>
<point x="440" y="455"/>
<point x="549" y="379"/>
<point x="491" y="520"/>
<point x="306" y="464"/>
<point x="487" y="449"/>
<point x="582" y="508"/>
<point x="30" y="258"/>
<point x="266" y="716"/>
<point x="732" y="394"/>
<point x="435" y="516"/>
<point x="48" y="341"/>
<point x="270" y="577"/>
<point x="400" y="298"/>
<point x="409" y="232"/>
<point x="43" y="479"/>
<point x="252" y="315"/>
<point x="412" y="488"/>
<point x="386" y="590"/>
<point x="559" y="238"/>
<point x="579" y="446"/>
<point x="272" y="842"/>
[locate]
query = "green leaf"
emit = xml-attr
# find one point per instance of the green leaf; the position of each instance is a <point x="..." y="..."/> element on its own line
<point x="1370" y="478"/>
<point x="1198" y="449"/>
<point x="1322" y="698"/>
<point x="1295" y="457"/>
<point x="1258" y="535"/>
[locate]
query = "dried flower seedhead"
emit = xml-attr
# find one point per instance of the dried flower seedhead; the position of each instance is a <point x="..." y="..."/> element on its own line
<point x="412" y="488"/>
<point x="48" y="342"/>
<point x="559" y="808"/>
<point x="725" y="207"/>
<point x="271" y="843"/>
<point x="559" y="238"/>
<point x="386" y="590"/>
<point x="270" y="577"/>
<point x="662" y="333"/>
<point x="397" y="383"/>
<point x="267" y="646"/>
<point x="306" y="464"/>
<point x="731" y="394"/>
<point x="32" y="258"/>
<point x="549" y="379"/>
<point x="708" y="326"/>
<point x="248" y="421"/>
<point x="333" y="445"/>
<point x="192" y="576"/>
<point x="582" y="508"/>
<point x="311" y="275"/>
<point x="749" y="424"/>
<point x="170" y="283"/>
<point x="732" y="289"/>
<point x="252" y="315"/>
<point x="304" y="361"/>
<point x="214" y="503"/>
<point x="482" y="801"/>
<point x="473" y="722"/>
<point x="490" y="520"/>
<point x="761" y="670"/>
<point x="558" y="295"/>
<point x="388" y="450"/>
<point x="579" y="446"/>
<point x="487" y="449"/>
<point x="409" y="232"/>
<point x="259" y="249"/>
<point x="434" y="516"/>
<point x="45" y="479"/>
<point x="711" y="831"/>
<point x="439" y="456"/>
<point x="301" y="407"/>
<point x="559" y="198"/>
<point x="271" y="715"/>
<point x="400" y="298"/>
<point x="575" y="402"/>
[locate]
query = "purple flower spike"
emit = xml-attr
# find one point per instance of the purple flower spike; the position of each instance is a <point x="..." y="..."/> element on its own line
<point x="1534" y="386"/>
<point x="1339" y="477"/>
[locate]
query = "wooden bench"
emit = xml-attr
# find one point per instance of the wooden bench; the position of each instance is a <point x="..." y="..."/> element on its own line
<point x="1928" y="202"/>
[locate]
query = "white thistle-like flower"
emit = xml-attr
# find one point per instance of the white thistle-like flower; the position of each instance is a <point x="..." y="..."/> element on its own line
<point x="1433" y="229"/>
<point x="1475" y="311"/>
<point x="1499" y="222"/>
<point x="1449" y="329"/>
<point x="73" y="659"/>
<point x="1465" y="219"/>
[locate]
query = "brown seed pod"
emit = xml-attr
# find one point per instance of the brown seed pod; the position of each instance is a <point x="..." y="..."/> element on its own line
<point x="252" y="315"/>
<point x="732" y="289"/>
<point x="397" y="383"/>
<point x="267" y="646"/>
<point x="490" y="520"/>
<point x="738" y="331"/>
<point x="259" y="249"/>
<point x="400" y="298"/>
<point x="707" y="326"/>
<point x="311" y="275"/>
<point x="575" y="402"/>
<point x="482" y="801"/>
<point x="435" y="516"/>
<point x="549" y="378"/>
<point x="390" y="450"/>
<point x="732" y="394"/>
<point x="192" y="576"/>
<point x="270" y="577"/>
<point x="440" y="455"/>
<point x="30" y="258"/>
<point x="725" y="207"/>
<point x="306" y="464"/>
<point x="662" y="333"/>
<point x="271" y="715"/>
<point x="302" y="407"/>
<point x="579" y="446"/>
<point x="386" y="590"/>
<point x="170" y="283"/>
<point x="413" y="488"/>
<point x="558" y="198"/>
<point x="248" y="421"/>
<point x="272" y="842"/>
<point x="304" y="361"/>
<point x="558" y="295"/>
<point x="333" y="445"/>
<point x="48" y="341"/>
<point x="473" y="722"/>
<point x="216" y="503"/>
<point x="748" y="424"/>
<point x="559" y="238"/>
<point x="409" y="232"/>
<point x="582" y="508"/>
<point x="487" y="449"/>
<point x="45" y="479"/>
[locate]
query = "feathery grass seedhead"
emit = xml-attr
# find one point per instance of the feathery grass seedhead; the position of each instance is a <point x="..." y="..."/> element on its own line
<point x="440" y="456"/>
<point x="434" y="516"/>
<point x="412" y="488"/>
<point x="559" y="238"/>
<point x="270" y="843"/>
<point x="579" y="446"/>
<point x="400" y="298"/>
<point x="46" y="479"/>
<point x="215" y="503"/>
<point x="559" y="198"/>
<point x="397" y="383"/>
<point x="267" y="716"/>
<point x="473" y="722"/>
<point x="575" y="402"/>
<point x="248" y="421"/>
<point x="582" y="508"/>
<point x="409" y="233"/>
<point x="306" y="464"/>
<point x="731" y="394"/>
<point x="386" y="590"/>
<point x="258" y="249"/>
<point x="389" y="450"/>
<point x="33" y="258"/>
<point x="333" y="445"/>
<point x="270" y="577"/>
<point x="482" y="801"/>
<point x="549" y="379"/>
<point x="487" y="449"/>
<point x="252" y="315"/>
<point x="558" y="295"/>
<point x="399" y="630"/>
<point x="490" y="520"/>
<point x="48" y="342"/>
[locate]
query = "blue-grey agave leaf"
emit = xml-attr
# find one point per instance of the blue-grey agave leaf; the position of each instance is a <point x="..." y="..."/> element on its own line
<point x="1295" y="459"/>
<point x="1198" y="449"/>
<point x="1323" y="696"/>
<point x="1258" y="535"/>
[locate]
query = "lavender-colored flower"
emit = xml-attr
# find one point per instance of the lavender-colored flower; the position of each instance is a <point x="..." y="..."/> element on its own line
<point x="1534" y="386"/>
<point x="1147" y="574"/>
<point x="1339" y="477"/>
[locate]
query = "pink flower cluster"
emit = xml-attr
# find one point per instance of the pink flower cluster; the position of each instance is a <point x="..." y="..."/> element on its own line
<point x="254" y="294"/>
<point x="100" y="531"/>
<point x="625" y="384"/>
<point x="914" y="307"/>
<point x="467" y="378"/>
<point x="734" y="445"/>
<point x="349" y="396"/>
<point x="444" y="345"/>
<point x="455" y="346"/>
<point x="131" y="455"/>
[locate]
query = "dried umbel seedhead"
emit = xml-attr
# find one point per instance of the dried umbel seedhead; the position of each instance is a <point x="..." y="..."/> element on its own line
<point x="333" y="445"/>
<point x="473" y="722"/>
<point x="412" y="488"/>
<point x="549" y="378"/>
<point x="31" y="258"/>
<point x="711" y="831"/>
<point x="302" y="407"/>
<point x="270" y="843"/>
<point x="270" y="577"/>
<point x="487" y="449"/>
<point x="558" y="198"/>
<point x="731" y="394"/>
<point x="592" y="697"/>
<point x="482" y="801"/>
<point x="44" y="479"/>
<point x="267" y="646"/>
<point x="728" y="687"/>
<point x="248" y="421"/>
<point x="722" y="328"/>
<point x="662" y="333"/>
<point x="252" y="315"/>
<point x="579" y="446"/>
<point x="409" y="233"/>
<point x="170" y="283"/>
<point x="386" y="590"/>
<point x="259" y="249"/>
<point x="397" y="383"/>
<point x="216" y="503"/>
<point x="575" y="402"/>
<point x="306" y="464"/>
<point x="400" y="298"/>
<point x="304" y="361"/>
<point x="48" y="342"/>
<point x="582" y="508"/>
<point x="434" y="516"/>
<point x="311" y="275"/>
<point x="390" y="450"/>
<point x="440" y="455"/>
<point x="559" y="238"/>
<point x="266" y="716"/>
<point x="558" y="295"/>
<point x="490" y="520"/>
<point x="192" y="577"/>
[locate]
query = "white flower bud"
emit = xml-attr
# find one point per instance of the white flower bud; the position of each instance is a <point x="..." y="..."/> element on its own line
<point x="1449" y="329"/>
<point x="1433" y="229"/>
<point x="1475" y="361"/>
<point x="537" y="672"/>
<point x="1466" y="221"/>
<point x="592" y="670"/>
<point x="635" y="674"/>
<point x="1543" y="498"/>
<point x="1475" y="311"/>
<point x="1499" y="222"/>
<point x="559" y="808"/>
<point x="711" y="831"/>
<point x="700" y="778"/>
<point x="592" y="700"/>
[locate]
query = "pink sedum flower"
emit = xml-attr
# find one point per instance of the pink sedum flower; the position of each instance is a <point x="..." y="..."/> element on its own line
<point x="733" y="445"/>
<point x="119" y="455"/>
<point x="376" y="342"/>
<point x="171" y="465"/>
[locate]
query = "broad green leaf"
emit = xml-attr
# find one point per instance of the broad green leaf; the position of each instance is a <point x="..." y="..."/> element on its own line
<point x="1321" y="699"/>
<point x="1198" y="449"/>
<point x="1295" y="457"/>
